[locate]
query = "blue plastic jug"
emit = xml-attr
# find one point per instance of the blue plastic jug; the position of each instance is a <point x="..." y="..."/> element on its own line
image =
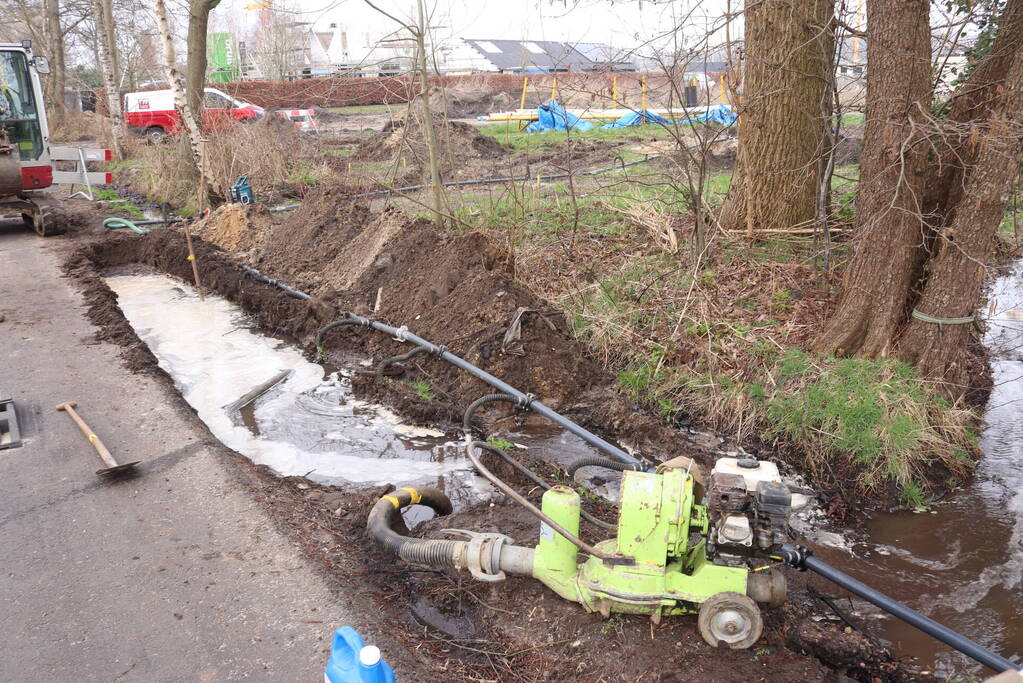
<point x="352" y="661"/>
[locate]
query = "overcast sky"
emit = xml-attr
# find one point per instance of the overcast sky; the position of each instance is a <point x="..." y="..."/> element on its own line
<point x="621" y="23"/>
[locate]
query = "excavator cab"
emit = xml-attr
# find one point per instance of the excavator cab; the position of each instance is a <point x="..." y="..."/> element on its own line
<point x="25" y="164"/>
<point x="19" y="108"/>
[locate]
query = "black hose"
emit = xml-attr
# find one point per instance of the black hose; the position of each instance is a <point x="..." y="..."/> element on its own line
<point x="333" y="326"/>
<point x="482" y="400"/>
<point x="525" y="471"/>
<point x="385" y="517"/>
<point x="607" y="463"/>
<point x="802" y="558"/>
<point x="385" y="363"/>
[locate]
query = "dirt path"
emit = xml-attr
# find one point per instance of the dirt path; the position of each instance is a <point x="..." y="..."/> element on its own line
<point x="175" y="574"/>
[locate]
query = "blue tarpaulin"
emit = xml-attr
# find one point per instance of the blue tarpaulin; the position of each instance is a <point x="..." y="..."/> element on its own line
<point x="635" y="118"/>
<point x="552" y="116"/>
<point x="722" y="113"/>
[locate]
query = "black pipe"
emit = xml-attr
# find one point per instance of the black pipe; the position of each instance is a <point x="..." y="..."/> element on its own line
<point x="802" y="558"/>
<point x="256" y="275"/>
<point x="527" y="401"/>
<point x="385" y="517"/>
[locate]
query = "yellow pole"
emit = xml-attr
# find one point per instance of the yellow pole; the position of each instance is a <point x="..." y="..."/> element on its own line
<point x="614" y="90"/>
<point x="643" y="89"/>
<point x="554" y="89"/>
<point x="522" y="100"/>
<point x="723" y="92"/>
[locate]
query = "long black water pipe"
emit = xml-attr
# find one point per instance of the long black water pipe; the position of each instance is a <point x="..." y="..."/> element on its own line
<point x="525" y="401"/>
<point x="802" y="558"/>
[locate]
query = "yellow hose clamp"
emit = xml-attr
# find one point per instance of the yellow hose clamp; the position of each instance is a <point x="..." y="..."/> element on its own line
<point x="414" y="494"/>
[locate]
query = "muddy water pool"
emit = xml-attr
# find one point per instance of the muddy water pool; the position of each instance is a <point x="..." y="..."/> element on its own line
<point x="308" y="424"/>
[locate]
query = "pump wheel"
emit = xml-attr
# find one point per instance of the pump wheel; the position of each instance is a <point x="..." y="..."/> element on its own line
<point x="731" y="619"/>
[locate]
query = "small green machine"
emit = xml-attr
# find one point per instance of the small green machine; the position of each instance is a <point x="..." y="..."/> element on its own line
<point x="680" y="548"/>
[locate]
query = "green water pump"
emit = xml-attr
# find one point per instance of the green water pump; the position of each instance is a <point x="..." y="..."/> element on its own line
<point x="676" y="566"/>
<point x="682" y="547"/>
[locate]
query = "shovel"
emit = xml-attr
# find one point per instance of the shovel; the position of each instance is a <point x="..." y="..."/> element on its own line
<point x="111" y="465"/>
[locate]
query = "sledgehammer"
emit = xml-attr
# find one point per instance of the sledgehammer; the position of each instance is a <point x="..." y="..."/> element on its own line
<point x="111" y="465"/>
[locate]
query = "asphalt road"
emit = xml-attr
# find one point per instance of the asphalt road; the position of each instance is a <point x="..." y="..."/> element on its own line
<point x="173" y="575"/>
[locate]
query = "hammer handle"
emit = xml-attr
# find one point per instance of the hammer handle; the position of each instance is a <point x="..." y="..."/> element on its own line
<point x="104" y="454"/>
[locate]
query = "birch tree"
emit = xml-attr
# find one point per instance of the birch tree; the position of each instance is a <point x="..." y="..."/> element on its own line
<point x="106" y="50"/>
<point x="189" y="115"/>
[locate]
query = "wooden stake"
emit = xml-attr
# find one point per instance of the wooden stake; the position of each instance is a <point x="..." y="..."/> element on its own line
<point x="191" y="257"/>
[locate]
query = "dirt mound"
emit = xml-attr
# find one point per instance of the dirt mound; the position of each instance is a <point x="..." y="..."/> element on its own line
<point x="461" y="104"/>
<point x="403" y="143"/>
<point x="236" y="227"/>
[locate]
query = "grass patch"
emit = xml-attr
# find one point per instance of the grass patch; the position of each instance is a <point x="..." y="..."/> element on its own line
<point x="423" y="389"/>
<point x="522" y="142"/>
<point x="117" y="203"/>
<point x="502" y="444"/>
<point x="873" y="418"/>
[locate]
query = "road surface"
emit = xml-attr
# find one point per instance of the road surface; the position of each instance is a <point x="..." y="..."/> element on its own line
<point x="173" y="575"/>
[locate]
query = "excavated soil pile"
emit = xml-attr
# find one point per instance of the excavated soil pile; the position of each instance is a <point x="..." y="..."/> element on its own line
<point x="403" y="142"/>
<point x="462" y="104"/>
<point x="236" y="227"/>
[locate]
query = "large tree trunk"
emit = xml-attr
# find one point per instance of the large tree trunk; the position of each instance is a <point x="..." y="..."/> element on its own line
<point x="973" y="102"/>
<point x="788" y="57"/>
<point x="55" y="83"/>
<point x="198" y="26"/>
<point x="889" y="232"/>
<point x="107" y="50"/>
<point x="958" y="271"/>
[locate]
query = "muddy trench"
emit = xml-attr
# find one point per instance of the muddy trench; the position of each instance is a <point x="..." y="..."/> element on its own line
<point x="516" y="630"/>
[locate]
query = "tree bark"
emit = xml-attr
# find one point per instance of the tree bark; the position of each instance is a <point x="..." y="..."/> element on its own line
<point x="55" y="83"/>
<point x="788" y="57"/>
<point x="889" y="232"/>
<point x="198" y="26"/>
<point x="107" y="51"/>
<point x="110" y="35"/>
<point x="973" y="103"/>
<point x="958" y="271"/>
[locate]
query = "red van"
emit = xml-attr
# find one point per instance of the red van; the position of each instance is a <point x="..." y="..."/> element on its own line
<point x="152" y="113"/>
